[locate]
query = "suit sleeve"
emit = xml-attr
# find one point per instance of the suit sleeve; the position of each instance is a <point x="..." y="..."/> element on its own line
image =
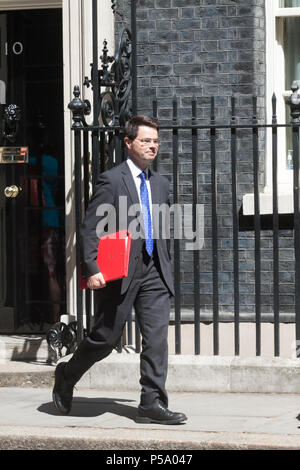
<point x="100" y="210"/>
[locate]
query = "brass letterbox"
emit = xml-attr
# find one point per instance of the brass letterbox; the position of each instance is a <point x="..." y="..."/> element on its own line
<point x="13" y="155"/>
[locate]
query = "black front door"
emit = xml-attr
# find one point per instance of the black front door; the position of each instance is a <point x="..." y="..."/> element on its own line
<point x="32" y="271"/>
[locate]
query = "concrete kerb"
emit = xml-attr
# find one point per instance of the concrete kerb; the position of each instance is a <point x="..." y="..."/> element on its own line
<point x="46" y="438"/>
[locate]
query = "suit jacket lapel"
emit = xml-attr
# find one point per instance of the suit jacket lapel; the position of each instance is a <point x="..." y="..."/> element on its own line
<point x="130" y="184"/>
<point x="155" y="190"/>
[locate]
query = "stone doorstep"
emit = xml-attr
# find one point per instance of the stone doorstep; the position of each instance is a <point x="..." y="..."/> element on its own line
<point x="24" y="348"/>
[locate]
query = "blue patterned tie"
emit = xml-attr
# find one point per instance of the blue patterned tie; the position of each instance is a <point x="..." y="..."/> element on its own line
<point x="146" y="214"/>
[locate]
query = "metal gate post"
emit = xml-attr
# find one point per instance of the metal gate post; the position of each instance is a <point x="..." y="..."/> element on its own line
<point x="79" y="108"/>
<point x="294" y="103"/>
<point x="134" y="58"/>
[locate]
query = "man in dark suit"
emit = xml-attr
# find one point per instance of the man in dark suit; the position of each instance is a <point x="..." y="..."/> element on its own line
<point x="148" y="286"/>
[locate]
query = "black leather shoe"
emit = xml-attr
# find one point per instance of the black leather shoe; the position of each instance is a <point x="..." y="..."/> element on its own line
<point x="159" y="414"/>
<point x="63" y="391"/>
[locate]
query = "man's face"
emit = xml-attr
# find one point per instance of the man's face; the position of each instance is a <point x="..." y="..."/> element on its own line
<point x="143" y="149"/>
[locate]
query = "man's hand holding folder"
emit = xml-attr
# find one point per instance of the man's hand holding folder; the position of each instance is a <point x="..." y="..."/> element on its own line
<point x="112" y="259"/>
<point x="96" y="281"/>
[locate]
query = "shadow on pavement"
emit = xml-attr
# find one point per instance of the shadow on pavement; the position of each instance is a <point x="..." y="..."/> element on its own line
<point x="91" y="407"/>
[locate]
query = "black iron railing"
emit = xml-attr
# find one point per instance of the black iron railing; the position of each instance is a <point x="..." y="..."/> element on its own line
<point x="112" y="151"/>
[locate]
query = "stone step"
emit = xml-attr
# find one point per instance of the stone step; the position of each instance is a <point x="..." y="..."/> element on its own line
<point x="26" y="374"/>
<point x="185" y="374"/>
<point x="24" y="348"/>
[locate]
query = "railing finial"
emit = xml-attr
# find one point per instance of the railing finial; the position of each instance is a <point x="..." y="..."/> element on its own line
<point x="79" y="109"/>
<point x="294" y="102"/>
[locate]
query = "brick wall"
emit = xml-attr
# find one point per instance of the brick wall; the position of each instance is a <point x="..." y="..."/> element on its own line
<point x="205" y="48"/>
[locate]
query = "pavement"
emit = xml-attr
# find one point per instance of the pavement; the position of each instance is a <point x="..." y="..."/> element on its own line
<point x="232" y="403"/>
<point x="105" y="419"/>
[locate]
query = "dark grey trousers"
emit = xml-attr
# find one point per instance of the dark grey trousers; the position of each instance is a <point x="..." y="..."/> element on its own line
<point x="150" y="298"/>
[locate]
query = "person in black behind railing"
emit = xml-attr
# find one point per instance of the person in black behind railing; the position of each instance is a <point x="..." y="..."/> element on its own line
<point x="43" y="192"/>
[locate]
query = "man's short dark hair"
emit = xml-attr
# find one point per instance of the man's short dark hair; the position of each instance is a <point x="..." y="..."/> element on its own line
<point x="132" y="126"/>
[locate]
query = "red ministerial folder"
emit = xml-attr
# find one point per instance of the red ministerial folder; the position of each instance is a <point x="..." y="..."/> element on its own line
<point x="113" y="256"/>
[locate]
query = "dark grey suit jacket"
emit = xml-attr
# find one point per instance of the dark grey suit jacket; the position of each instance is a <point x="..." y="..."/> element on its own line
<point x="112" y="185"/>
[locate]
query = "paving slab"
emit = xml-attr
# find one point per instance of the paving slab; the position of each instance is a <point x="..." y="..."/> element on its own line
<point x="106" y="420"/>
